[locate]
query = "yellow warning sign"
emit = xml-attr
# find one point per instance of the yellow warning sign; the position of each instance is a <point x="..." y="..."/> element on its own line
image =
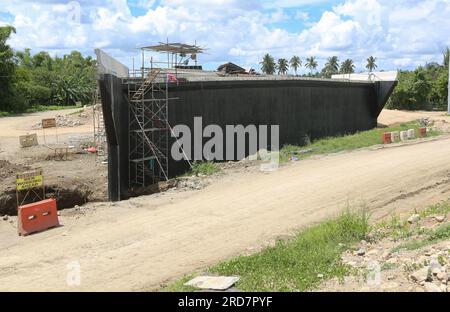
<point x="29" y="180"/>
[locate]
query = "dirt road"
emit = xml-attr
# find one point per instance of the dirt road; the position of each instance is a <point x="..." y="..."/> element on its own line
<point x="144" y="242"/>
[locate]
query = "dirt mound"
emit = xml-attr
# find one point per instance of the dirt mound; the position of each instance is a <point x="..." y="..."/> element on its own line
<point x="79" y="118"/>
<point x="8" y="169"/>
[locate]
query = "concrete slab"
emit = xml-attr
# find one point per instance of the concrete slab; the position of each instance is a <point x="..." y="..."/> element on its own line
<point x="213" y="282"/>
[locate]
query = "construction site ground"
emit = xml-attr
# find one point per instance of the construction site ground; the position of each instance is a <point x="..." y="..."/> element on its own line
<point x="145" y="242"/>
<point x="79" y="179"/>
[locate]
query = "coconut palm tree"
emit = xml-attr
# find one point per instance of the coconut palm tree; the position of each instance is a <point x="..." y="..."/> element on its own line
<point x="268" y="65"/>
<point x="331" y="67"/>
<point x="311" y="63"/>
<point x="283" y="66"/>
<point x="347" y="67"/>
<point x="371" y="63"/>
<point x="296" y="63"/>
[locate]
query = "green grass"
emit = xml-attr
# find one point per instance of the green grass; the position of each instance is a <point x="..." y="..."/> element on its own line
<point x="294" y="265"/>
<point x="39" y="108"/>
<point x="204" y="168"/>
<point x="179" y="285"/>
<point x="5" y="114"/>
<point x="442" y="233"/>
<point x="43" y="108"/>
<point x="398" y="228"/>
<point x="348" y="142"/>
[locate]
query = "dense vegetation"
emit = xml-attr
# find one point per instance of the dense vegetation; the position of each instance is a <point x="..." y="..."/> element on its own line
<point x="425" y="88"/>
<point x="33" y="80"/>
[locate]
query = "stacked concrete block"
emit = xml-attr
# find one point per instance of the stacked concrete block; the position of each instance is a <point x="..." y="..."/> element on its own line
<point x="411" y="134"/>
<point x="404" y="136"/>
<point x="395" y="136"/>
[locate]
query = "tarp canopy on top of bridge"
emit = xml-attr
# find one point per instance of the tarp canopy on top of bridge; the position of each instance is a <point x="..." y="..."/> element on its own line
<point x="179" y="48"/>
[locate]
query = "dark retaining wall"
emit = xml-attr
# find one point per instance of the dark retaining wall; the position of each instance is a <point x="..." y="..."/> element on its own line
<point x="300" y="107"/>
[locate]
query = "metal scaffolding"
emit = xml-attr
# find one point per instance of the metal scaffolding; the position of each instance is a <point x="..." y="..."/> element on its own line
<point x="149" y="127"/>
<point x="99" y="129"/>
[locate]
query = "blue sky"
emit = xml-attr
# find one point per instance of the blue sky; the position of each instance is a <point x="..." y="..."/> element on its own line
<point x="402" y="34"/>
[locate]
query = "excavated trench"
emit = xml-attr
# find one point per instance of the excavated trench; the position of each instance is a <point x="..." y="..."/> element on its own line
<point x="65" y="197"/>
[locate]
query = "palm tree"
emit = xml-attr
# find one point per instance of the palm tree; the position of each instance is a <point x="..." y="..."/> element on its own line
<point x="347" y="67"/>
<point x="283" y="66"/>
<point x="371" y="63"/>
<point x="311" y="63"/>
<point x="268" y="65"/>
<point x="331" y="67"/>
<point x="296" y="63"/>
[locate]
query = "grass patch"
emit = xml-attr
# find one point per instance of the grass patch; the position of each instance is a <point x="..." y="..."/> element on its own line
<point x="39" y="108"/>
<point x="294" y="265"/>
<point x="179" y="286"/>
<point x="398" y="228"/>
<point x="442" y="233"/>
<point x="348" y="142"/>
<point x="6" y="114"/>
<point x="389" y="266"/>
<point x="204" y="168"/>
<point x="44" y="108"/>
<point x="78" y="112"/>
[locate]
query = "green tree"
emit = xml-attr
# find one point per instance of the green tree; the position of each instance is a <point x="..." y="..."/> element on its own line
<point x="311" y="63"/>
<point x="10" y="99"/>
<point x="331" y="67"/>
<point x="371" y="64"/>
<point x="283" y="66"/>
<point x="295" y="63"/>
<point x="421" y="89"/>
<point x="446" y="57"/>
<point x="268" y="65"/>
<point x="347" y="67"/>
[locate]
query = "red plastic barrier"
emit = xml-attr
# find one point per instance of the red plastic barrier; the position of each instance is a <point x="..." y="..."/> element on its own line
<point x="37" y="217"/>
<point x="386" y="138"/>
<point x="422" y="132"/>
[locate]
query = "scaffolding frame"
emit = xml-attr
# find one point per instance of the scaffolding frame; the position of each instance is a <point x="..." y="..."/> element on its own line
<point x="149" y="128"/>
<point x="100" y="139"/>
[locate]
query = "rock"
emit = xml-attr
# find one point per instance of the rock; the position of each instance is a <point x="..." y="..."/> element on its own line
<point x="386" y="254"/>
<point x="435" y="267"/>
<point x="414" y="219"/>
<point x="435" y="271"/>
<point x="392" y="260"/>
<point x="442" y="276"/>
<point x="319" y="275"/>
<point x="391" y="277"/>
<point x="430" y="287"/>
<point x="439" y="218"/>
<point x="5" y="218"/>
<point x="361" y="252"/>
<point x="390" y="285"/>
<point x="421" y="275"/>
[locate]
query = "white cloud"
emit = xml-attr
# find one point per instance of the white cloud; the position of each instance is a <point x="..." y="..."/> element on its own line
<point x="400" y="33"/>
